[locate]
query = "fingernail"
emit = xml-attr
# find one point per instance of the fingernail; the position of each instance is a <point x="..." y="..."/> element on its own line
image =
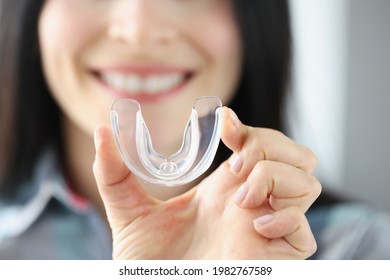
<point x="263" y="220"/>
<point x="235" y="120"/>
<point x="241" y="193"/>
<point x="236" y="164"/>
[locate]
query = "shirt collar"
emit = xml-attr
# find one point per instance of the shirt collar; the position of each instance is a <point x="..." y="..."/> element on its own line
<point x="32" y="198"/>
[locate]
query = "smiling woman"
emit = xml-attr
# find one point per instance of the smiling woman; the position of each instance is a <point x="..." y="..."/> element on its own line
<point x="139" y="50"/>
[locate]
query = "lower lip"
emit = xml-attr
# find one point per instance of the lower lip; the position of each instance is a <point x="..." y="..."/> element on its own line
<point x="143" y="97"/>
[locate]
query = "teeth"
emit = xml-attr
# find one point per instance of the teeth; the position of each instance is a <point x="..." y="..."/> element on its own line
<point x="152" y="84"/>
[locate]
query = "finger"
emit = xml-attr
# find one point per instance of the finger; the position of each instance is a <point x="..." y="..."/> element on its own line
<point x="289" y="232"/>
<point x="251" y="145"/>
<point x="221" y="184"/>
<point x="234" y="133"/>
<point x="123" y="199"/>
<point x="283" y="184"/>
<point x="268" y="144"/>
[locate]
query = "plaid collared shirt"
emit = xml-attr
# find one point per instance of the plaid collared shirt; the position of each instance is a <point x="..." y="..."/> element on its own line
<point x="347" y="231"/>
<point x="46" y="220"/>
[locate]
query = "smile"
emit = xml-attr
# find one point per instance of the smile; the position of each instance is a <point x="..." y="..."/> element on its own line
<point x="144" y="84"/>
<point x="134" y="84"/>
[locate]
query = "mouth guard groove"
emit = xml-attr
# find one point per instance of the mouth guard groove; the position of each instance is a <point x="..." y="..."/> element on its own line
<point x="200" y="142"/>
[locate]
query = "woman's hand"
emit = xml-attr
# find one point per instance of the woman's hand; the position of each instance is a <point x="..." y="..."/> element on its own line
<point x="251" y="207"/>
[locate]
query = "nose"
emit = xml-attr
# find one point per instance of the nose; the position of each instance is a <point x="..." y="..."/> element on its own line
<point x="141" y="22"/>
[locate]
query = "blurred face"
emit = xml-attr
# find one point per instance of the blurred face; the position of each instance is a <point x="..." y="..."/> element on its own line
<point x="162" y="53"/>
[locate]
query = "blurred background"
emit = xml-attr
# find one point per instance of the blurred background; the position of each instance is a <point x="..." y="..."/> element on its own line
<point x="340" y="106"/>
<point x="341" y="93"/>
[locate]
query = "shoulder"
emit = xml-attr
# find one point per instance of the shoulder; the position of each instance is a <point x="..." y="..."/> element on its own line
<point x="350" y="231"/>
<point x="46" y="220"/>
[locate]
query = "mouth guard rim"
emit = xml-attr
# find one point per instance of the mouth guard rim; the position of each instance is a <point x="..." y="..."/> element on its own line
<point x="190" y="170"/>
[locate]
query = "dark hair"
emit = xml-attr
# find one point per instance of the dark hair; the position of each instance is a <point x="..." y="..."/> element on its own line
<point x="29" y="118"/>
<point x="266" y="36"/>
<point x="28" y="115"/>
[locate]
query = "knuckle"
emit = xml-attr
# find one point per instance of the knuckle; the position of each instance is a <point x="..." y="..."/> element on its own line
<point x="311" y="160"/>
<point x="315" y="186"/>
<point x="309" y="248"/>
<point x="296" y="214"/>
<point x="273" y="132"/>
<point x="262" y="140"/>
<point x="262" y="170"/>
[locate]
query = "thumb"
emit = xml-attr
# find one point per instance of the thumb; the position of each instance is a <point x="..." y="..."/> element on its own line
<point x="234" y="132"/>
<point x="123" y="199"/>
<point x="234" y="135"/>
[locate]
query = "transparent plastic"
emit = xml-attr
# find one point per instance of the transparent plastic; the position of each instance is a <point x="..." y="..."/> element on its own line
<point x="200" y="142"/>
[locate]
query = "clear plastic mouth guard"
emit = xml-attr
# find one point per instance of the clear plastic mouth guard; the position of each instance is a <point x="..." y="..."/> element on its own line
<point x="200" y="142"/>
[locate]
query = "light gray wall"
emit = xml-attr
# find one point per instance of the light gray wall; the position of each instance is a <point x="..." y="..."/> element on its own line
<point x="367" y="144"/>
<point x="341" y="90"/>
<point x="317" y="109"/>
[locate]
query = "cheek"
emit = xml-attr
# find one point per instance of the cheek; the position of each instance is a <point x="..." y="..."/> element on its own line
<point x="65" y="34"/>
<point x="219" y="41"/>
<point x="217" y="34"/>
<point x="62" y="28"/>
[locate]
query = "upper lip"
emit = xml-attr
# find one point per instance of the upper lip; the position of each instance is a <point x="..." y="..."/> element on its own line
<point x="142" y="70"/>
